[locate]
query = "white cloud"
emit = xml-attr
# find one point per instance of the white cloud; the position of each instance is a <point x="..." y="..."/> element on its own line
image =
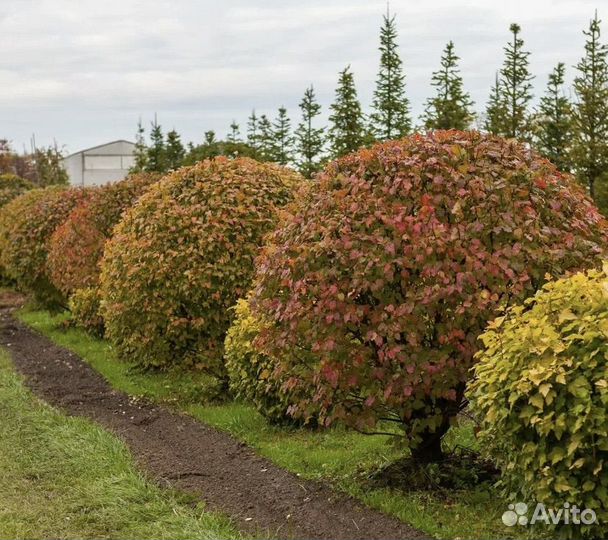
<point x="82" y="72"/>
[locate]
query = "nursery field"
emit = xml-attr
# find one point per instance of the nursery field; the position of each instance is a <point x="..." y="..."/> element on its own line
<point x="410" y="345"/>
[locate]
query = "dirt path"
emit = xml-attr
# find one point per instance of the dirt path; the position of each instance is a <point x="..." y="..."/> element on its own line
<point x="193" y="457"/>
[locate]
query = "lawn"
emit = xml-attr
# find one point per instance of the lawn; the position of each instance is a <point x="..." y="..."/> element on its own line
<point x="339" y="456"/>
<point x="65" y="477"/>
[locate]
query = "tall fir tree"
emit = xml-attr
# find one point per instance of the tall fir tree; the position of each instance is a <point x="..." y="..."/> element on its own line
<point x="157" y="155"/>
<point x="390" y="118"/>
<point x="450" y="108"/>
<point x="309" y="139"/>
<point x="140" y="152"/>
<point x="590" y="144"/>
<point x="265" y="139"/>
<point x="495" y="110"/>
<point x="282" y="138"/>
<point x="174" y="150"/>
<point x="553" y="125"/>
<point x="235" y="133"/>
<point x="513" y="93"/>
<point x="347" y="131"/>
<point x="253" y="130"/>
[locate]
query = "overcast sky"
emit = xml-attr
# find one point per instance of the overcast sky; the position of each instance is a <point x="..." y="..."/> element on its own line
<point x="83" y="72"/>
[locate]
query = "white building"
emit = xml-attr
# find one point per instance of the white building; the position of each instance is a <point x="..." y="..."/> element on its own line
<point x="101" y="164"/>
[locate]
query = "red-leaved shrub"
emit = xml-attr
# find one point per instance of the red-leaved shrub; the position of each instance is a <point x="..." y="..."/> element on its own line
<point x="77" y="245"/>
<point x="26" y="225"/>
<point x="377" y="284"/>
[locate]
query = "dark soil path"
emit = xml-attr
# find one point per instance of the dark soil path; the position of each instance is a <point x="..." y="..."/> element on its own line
<point x="179" y="451"/>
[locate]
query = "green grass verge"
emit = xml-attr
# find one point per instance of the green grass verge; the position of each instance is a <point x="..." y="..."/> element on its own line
<point x="64" y="477"/>
<point x="339" y="456"/>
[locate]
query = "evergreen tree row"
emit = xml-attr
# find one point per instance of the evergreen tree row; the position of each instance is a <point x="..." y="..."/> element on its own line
<point x="572" y="133"/>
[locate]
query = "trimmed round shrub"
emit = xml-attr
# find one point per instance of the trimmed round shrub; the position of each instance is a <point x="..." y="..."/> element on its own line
<point x="77" y="245"/>
<point x="11" y="186"/>
<point x="250" y="372"/>
<point x="183" y="255"/>
<point x="541" y="393"/>
<point x="84" y="306"/>
<point x="26" y="225"/>
<point x="388" y="268"/>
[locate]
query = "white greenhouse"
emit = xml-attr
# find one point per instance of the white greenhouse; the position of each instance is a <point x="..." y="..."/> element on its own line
<point x="101" y="164"/>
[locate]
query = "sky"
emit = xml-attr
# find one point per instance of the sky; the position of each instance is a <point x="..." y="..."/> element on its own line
<point x="82" y="72"/>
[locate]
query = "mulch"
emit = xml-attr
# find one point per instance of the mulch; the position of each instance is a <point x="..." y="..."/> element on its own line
<point x="178" y="451"/>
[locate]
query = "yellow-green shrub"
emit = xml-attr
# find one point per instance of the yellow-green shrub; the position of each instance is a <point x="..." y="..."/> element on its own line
<point x="248" y="369"/>
<point x="183" y="255"/>
<point x="11" y="186"/>
<point x="541" y="391"/>
<point x="84" y="306"/>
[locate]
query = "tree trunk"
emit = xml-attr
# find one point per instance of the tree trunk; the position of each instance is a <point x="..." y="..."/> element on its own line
<point x="429" y="450"/>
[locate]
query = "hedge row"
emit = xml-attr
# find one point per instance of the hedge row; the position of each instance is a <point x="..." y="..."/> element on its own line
<point x="26" y="225"/>
<point x="359" y="297"/>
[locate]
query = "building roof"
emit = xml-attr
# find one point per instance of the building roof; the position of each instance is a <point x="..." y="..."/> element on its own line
<point x="99" y="146"/>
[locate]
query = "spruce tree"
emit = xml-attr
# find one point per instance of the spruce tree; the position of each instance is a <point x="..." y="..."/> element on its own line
<point x="553" y="126"/>
<point x="282" y="138"/>
<point x="495" y="110"/>
<point x="235" y="134"/>
<point x="390" y="118"/>
<point x="209" y="137"/>
<point x="515" y="90"/>
<point x="252" y="130"/>
<point x="310" y="139"/>
<point x="451" y="106"/>
<point x="265" y="139"/>
<point x="590" y="144"/>
<point x="140" y="153"/>
<point x="157" y="151"/>
<point x="346" y="132"/>
<point x="175" y="150"/>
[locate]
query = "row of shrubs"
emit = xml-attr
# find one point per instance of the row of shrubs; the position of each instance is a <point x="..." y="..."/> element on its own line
<point x="359" y="297"/>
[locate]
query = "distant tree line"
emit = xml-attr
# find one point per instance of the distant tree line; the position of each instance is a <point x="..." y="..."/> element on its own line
<point x="41" y="165"/>
<point x="571" y="131"/>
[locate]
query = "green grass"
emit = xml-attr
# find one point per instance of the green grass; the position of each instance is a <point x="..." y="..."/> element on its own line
<point x="339" y="456"/>
<point x="64" y="477"/>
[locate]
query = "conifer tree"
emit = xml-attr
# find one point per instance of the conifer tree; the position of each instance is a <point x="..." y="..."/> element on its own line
<point x="390" y="118"/>
<point x="514" y="90"/>
<point x="310" y="139"/>
<point x="590" y="144"/>
<point x="175" y="150"/>
<point x="282" y="138"/>
<point x="235" y="134"/>
<point x="140" y="152"/>
<point x="209" y="137"/>
<point x="252" y="130"/>
<point x="451" y="106"/>
<point x="157" y="157"/>
<point x="265" y="139"/>
<point x="346" y="132"/>
<point x="495" y="110"/>
<point x="553" y="126"/>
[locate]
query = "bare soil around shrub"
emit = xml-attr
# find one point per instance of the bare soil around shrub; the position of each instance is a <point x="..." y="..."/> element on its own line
<point x="180" y="452"/>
